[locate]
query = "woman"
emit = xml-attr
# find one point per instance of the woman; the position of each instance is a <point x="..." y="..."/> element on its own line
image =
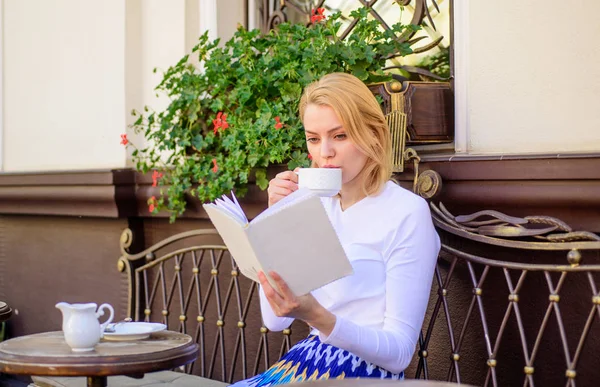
<point x="366" y="324"/>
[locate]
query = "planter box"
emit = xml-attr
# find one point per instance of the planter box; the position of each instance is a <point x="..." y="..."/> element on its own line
<point x="429" y="109"/>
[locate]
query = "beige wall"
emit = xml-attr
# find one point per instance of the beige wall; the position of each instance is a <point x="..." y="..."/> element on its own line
<point x="534" y="79"/>
<point x="63" y="84"/>
<point x="230" y="13"/>
<point x="156" y="38"/>
<point x="73" y="70"/>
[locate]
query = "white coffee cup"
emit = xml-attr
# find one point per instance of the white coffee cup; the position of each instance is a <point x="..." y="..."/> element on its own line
<point x="322" y="181"/>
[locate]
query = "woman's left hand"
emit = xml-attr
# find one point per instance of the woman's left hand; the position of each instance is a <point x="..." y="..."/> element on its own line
<point x="306" y="308"/>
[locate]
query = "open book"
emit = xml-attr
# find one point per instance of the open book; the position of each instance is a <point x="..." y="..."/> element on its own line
<point x="293" y="237"/>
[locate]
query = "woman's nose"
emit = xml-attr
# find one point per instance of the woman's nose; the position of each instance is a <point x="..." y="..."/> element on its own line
<point x="327" y="149"/>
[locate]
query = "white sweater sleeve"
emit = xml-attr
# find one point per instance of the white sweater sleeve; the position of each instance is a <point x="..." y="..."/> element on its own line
<point x="272" y="321"/>
<point x="410" y="259"/>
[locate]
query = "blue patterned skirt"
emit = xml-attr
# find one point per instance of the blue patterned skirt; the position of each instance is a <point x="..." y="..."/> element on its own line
<point x="311" y="359"/>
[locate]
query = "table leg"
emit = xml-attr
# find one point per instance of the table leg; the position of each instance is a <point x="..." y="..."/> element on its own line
<point x="96" y="381"/>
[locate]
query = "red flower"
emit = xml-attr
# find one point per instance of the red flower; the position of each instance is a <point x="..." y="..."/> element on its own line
<point x="224" y="125"/>
<point x="155" y="176"/>
<point x="124" y="139"/>
<point x="153" y="204"/>
<point x="310" y="157"/>
<point x="278" y="125"/>
<point x="217" y="121"/>
<point x="317" y="15"/>
<point x="215" y="167"/>
<point x="220" y="122"/>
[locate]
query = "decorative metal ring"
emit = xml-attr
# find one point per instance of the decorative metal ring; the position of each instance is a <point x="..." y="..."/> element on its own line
<point x="429" y="184"/>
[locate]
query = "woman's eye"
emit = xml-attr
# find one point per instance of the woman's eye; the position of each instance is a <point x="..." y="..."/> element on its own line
<point x="340" y="136"/>
<point x="311" y="139"/>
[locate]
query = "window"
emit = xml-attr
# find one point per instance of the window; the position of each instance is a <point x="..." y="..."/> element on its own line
<point x="424" y="79"/>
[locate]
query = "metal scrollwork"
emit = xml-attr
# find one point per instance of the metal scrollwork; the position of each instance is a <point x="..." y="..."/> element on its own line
<point x="429" y="184"/>
<point x="496" y="224"/>
<point x="276" y="18"/>
<point x="271" y="13"/>
<point x="125" y="240"/>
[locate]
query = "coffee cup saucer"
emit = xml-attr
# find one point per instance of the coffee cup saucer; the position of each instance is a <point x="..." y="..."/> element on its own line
<point x="133" y="331"/>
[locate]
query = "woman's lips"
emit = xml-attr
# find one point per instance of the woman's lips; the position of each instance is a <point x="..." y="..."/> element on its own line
<point x="329" y="166"/>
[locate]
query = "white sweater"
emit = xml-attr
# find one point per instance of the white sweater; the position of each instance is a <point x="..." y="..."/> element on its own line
<point x="393" y="246"/>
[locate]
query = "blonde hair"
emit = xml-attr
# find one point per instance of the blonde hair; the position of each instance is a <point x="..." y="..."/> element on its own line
<point x="361" y="117"/>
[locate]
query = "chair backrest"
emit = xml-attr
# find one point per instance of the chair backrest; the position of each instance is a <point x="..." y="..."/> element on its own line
<point x="515" y="301"/>
<point x="191" y="283"/>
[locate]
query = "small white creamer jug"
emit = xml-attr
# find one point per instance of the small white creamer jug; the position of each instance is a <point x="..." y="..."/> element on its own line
<point x="81" y="326"/>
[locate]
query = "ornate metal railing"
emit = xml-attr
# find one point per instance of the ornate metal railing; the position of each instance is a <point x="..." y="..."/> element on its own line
<point x="190" y="283"/>
<point x="515" y="302"/>
<point x="422" y="13"/>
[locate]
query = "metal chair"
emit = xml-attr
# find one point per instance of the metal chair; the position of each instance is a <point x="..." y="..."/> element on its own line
<point x="514" y="302"/>
<point x="191" y="283"/>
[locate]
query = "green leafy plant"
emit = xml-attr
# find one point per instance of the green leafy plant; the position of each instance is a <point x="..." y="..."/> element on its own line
<point x="438" y="64"/>
<point x="236" y="113"/>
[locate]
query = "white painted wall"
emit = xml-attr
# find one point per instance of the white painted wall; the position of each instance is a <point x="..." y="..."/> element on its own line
<point x="159" y="34"/>
<point x="156" y="38"/>
<point x="74" y="69"/>
<point x="63" y="84"/>
<point x="534" y="79"/>
<point x="230" y="13"/>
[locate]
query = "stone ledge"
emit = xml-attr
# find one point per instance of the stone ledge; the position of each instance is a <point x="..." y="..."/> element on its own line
<point x="565" y="187"/>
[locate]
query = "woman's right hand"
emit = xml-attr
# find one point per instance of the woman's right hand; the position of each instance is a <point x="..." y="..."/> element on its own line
<point x="281" y="186"/>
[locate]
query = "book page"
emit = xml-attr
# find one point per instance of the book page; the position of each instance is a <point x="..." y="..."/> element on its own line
<point x="235" y="238"/>
<point x="300" y="244"/>
<point x="294" y="237"/>
<point x="291" y="199"/>
<point x="232" y="207"/>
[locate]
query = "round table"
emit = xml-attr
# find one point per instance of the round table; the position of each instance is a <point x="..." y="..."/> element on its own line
<point x="371" y="382"/>
<point x="47" y="354"/>
<point x="5" y="311"/>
